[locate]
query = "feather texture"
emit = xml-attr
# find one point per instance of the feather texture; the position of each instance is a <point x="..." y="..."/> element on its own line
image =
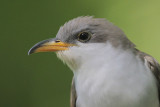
<point x="151" y="62"/>
<point x="153" y="65"/>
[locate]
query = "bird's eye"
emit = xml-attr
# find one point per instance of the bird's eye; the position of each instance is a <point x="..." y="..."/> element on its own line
<point x="84" y="36"/>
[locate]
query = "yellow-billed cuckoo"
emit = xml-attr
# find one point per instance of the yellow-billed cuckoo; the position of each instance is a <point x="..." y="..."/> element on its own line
<point x="108" y="70"/>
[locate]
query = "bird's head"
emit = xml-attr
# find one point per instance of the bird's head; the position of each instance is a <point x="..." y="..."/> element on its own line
<point x="83" y="38"/>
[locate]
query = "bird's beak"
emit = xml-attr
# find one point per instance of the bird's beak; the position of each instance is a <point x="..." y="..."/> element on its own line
<point x="50" y="45"/>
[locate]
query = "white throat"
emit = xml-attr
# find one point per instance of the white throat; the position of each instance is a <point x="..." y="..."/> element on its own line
<point x="87" y="54"/>
<point x="110" y="75"/>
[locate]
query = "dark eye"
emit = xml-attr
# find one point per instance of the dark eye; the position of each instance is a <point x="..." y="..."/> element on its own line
<point x="84" y="36"/>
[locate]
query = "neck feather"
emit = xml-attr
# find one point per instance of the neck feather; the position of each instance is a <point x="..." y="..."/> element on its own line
<point x="77" y="58"/>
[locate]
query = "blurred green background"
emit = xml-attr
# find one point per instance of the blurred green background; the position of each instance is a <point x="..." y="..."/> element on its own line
<point x="42" y="80"/>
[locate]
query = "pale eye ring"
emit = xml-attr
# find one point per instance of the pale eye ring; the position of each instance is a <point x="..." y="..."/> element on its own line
<point x="84" y="36"/>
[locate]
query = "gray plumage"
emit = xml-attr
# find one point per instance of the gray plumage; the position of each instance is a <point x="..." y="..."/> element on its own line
<point x="102" y="31"/>
<point x="108" y="69"/>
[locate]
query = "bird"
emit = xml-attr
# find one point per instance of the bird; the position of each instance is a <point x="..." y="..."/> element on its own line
<point x="108" y="69"/>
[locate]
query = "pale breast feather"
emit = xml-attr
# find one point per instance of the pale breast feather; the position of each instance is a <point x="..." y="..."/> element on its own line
<point x="73" y="96"/>
<point x="153" y="65"/>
